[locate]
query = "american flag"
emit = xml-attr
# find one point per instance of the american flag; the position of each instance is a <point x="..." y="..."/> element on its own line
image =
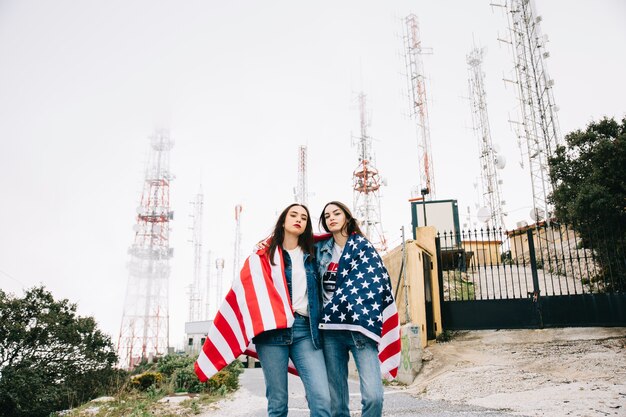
<point x="363" y="302"/>
<point x="258" y="301"/>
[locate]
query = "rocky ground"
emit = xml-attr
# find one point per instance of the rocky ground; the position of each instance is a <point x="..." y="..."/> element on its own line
<point x="548" y="372"/>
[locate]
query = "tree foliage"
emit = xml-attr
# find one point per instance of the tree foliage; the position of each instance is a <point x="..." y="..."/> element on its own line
<point x="50" y="358"/>
<point x="589" y="177"/>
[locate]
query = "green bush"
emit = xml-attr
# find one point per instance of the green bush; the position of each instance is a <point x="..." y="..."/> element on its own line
<point x="183" y="377"/>
<point x="146" y="380"/>
<point x="185" y="380"/>
<point x="227" y="379"/>
<point x="168" y="364"/>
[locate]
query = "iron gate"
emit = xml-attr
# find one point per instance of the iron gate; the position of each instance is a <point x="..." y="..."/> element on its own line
<point x="544" y="275"/>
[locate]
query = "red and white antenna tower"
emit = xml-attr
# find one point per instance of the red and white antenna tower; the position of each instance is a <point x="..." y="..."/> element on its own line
<point x="538" y="126"/>
<point x="492" y="212"/>
<point x="366" y="185"/>
<point x="418" y="103"/>
<point x="195" y="294"/>
<point x="237" y="254"/>
<point x="301" y="189"/>
<point x="144" y="332"/>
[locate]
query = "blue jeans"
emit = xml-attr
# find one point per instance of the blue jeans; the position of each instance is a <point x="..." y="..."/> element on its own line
<point x="274" y="357"/>
<point x="337" y="344"/>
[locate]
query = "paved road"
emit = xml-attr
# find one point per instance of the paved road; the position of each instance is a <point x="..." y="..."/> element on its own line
<point x="250" y="401"/>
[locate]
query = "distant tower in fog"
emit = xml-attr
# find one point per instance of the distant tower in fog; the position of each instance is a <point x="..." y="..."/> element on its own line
<point x="144" y="332"/>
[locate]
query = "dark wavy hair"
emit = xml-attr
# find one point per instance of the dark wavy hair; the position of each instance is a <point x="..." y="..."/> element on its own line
<point x="305" y="240"/>
<point x="351" y="226"/>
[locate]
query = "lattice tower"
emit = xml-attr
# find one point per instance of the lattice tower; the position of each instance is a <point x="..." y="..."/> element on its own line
<point x="210" y="308"/>
<point x="219" y="282"/>
<point x="418" y="102"/>
<point x="195" y="294"/>
<point x="488" y="156"/>
<point x="538" y="127"/>
<point x="366" y="185"/>
<point x="144" y="332"/>
<point x="237" y="254"/>
<point x="301" y="188"/>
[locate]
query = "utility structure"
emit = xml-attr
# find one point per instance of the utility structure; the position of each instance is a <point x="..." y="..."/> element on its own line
<point x="144" y="332"/>
<point x="492" y="212"/>
<point x="237" y="254"/>
<point x="418" y="109"/>
<point x="301" y="191"/>
<point x="210" y="308"/>
<point x="195" y="290"/>
<point x="538" y="126"/>
<point x="219" y="281"/>
<point x="366" y="185"/>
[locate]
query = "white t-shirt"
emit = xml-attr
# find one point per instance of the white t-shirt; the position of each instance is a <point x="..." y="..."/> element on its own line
<point x="329" y="280"/>
<point x="299" y="300"/>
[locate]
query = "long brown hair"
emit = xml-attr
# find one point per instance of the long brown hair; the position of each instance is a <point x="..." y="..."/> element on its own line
<point x="351" y="225"/>
<point x="305" y="240"/>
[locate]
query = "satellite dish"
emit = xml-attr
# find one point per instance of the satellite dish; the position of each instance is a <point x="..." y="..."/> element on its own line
<point x="483" y="214"/>
<point x="500" y="161"/>
<point x="537" y="214"/>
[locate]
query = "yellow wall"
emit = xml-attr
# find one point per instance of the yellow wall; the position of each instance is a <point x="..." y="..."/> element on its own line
<point x="416" y="311"/>
<point x="484" y="252"/>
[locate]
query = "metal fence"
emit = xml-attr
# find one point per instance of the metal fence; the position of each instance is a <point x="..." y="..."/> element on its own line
<point x="545" y="259"/>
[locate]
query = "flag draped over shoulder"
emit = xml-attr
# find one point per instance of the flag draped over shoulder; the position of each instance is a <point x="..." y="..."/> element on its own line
<point x="363" y="302"/>
<point x="258" y="301"/>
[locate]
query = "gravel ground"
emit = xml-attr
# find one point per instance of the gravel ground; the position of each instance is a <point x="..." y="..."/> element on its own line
<point x="548" y="372"/>
<point x="552" y="372"/>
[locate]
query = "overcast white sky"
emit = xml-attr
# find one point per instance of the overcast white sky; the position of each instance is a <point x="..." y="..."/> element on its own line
<point x="241" y="85"/>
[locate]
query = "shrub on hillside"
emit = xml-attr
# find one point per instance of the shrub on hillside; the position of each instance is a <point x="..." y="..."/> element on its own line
<point x="146" y="380"/>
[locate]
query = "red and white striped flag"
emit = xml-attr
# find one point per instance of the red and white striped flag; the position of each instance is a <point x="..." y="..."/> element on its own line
<point x="258" y="301"/>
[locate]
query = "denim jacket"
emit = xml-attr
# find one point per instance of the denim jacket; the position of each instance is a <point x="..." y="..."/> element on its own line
<point x="313" y="287"/>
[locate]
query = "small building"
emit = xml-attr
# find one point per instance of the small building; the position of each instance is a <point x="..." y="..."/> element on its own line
<point x="483" y="252"/>
<point x="196" y="332"/>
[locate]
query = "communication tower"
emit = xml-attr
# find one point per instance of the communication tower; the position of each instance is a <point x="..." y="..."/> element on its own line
<point x="366" y="185"/>
<point x="219" y="282"/>
<point x="237" y="255"/>
<point x="301" y="188"/>
<point x="144" y="332"/>
<point x="195" y="294"/>
<point x="538" y="126"/>
<point x="418" y="103"/>
<point x="209" y="310"/>
<point x="491" y="213"/>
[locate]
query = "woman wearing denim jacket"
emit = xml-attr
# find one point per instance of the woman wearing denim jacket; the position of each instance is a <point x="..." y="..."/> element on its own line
<point x="293" y="237"/>
<point x="337" y="219"/>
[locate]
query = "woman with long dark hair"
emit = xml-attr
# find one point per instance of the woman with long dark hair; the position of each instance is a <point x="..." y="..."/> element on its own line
<point x="359" y="314"/>
<point x="291" y="247"/>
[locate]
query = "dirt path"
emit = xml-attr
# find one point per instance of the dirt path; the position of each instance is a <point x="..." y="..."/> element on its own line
<point x="555" y="372"/>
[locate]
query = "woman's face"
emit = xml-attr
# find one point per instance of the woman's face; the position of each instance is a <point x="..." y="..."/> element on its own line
<point x="335" y="218"/>
<point x="296" y="219"/>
